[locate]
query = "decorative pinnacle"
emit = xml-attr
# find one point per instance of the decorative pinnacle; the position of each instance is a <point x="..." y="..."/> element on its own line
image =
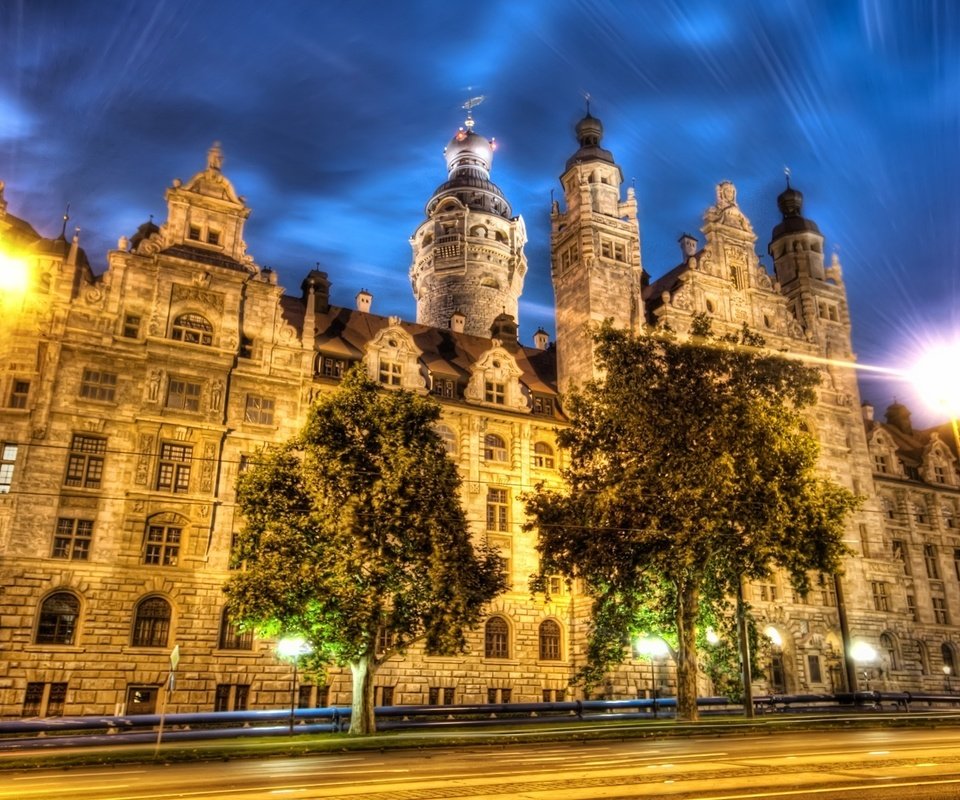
<point x="786" y="172"/>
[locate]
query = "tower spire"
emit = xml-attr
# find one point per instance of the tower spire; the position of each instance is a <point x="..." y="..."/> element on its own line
<point x="66" y="218"/>
<point x="471" y="104"/>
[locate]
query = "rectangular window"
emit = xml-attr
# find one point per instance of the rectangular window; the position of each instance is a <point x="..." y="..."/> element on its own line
<point x="768" y="592"/>
<point x="332" y="367"/>
<point x="606" y="248"/>
<point x="440" y="695"/>
<point x="259" y="410"/>
<point x="85" y="462"/>
<point x="383" y="695"/>
<point x="231" y="697"/>
<point x="930" y="561"/>
<point x="900" y="554"/>
<point x="543" y="406"/>
<point x="444" y="387"/>
<point x="619" y="252"/>
<point x="864" y="539"/>
<point x="183" y="395"/>
<point x="940" y="610"/>
<point x="828" y="592"/>
<point x="173" y="473"/>
<point x="213" y="237"/>
<point x="131" y="326"/>
<point x="72" y="539"/>
<point x="939" y="474"/>
<point x="497" y="510"/>
<point x="8" y="458"/>
<point x="98" y="385"/>
<point x="194" y="233"/>
<point x="19" y="394"/>
<point x="44" y="699"/>
<point x="391" y="373"/>
<point x="881" y="464"/>
<point x="494" y="392"/>
<point x="499" y="695"/>
<point x="162" y="547"/>
<point x="814" y="674"/>
<point x="33" y="699"/>
<point x="912" y="607"/>
<point x="880" y="601"/>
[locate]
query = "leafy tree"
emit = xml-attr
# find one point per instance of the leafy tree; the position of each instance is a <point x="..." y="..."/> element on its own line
<point x="355" y="538"/>
<point x="690" y="469"/>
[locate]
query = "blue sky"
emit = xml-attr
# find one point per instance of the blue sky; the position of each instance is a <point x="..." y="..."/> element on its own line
<point x="333" y="117"/>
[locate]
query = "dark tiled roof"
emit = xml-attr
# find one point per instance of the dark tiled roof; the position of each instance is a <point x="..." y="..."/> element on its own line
<point x="202" y="256"/>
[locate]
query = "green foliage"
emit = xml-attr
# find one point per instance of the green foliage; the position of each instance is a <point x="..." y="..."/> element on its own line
<point x="689" y="471"/>
<point x="354" y="533"/>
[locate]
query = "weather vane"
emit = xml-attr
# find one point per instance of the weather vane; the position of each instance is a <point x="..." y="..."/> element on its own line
<point x="471" y="104"/>
<point x="586" y="98"/>
<point x="786" y="172"/>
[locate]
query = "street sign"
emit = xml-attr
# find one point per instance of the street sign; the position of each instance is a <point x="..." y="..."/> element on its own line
<point x="174" y="657"/>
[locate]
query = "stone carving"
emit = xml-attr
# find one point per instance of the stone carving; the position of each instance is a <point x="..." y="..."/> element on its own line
<point x="144" y="446"/>
<point x="216" y="395"/>
<point x="206" y="470"/>
<point x="153" y="385"/>
<point x="212" y="300"/>
<point x="201" y="280"/>
<point x="726" y="211"/>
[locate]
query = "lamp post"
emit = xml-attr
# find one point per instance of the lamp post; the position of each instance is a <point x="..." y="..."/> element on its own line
<point x="947" y="671"/>
<point x="653" y="648"/>
<point x="864" y="655"/>
<point x="290" y="649"/>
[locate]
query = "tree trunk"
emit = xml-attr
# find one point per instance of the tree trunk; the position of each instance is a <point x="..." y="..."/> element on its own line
<point x="362" y="720"/>
<point x="688" y="601"/>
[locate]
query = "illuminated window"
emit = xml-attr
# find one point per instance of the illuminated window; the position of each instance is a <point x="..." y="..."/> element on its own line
<point x="85" y="461"/>
<point x="496" y="638"/>
<point x="8" y="458"/>
<point x="543" y="455"/>
<point x="192" y="328"/>
<point x="72" y="539"/>
<point x="259" y="410"/>
<point x="98" y="385"/>
<point x="391" y="373"/>
<point x="58" y="619"/>
<point x="549" y="641"/>
<point x="231" y="637"/>
<point x="173" y="471"/>
<point x="183" y="395"/>
<point x="151" y="623"/>
<point x="19" y="394"/>
<point x="494" y="448"/>
<point x="497" y="510"/>
<point x="162" y="545"/>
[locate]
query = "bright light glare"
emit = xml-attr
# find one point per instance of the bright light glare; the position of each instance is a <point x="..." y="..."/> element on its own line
<point x="293" y="647"/>
<point x="712" y="637"/>
<point x="863" y="653"/>
<point x="14" y="274"/>
<point x="937" y="378"/>
<point x="652" y="646"/>
<point x="773" y="635"/>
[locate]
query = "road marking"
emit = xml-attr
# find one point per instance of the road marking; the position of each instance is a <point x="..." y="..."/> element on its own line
<point x="810" y="791"/>
<point x="80" y="775"/>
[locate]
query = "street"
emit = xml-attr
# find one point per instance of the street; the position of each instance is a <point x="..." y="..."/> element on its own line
<point x="856" y="763"/>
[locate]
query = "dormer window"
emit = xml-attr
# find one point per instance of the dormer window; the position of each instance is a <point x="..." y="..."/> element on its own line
<point x="542" y="406"/>
<point x="494" y="392"/>
<point x="194" y="233"/>
<point x="444" y="387"/>
<point x="391" y="373"/>
<point x="192" y="328"/>
<point x="881" y="464"/>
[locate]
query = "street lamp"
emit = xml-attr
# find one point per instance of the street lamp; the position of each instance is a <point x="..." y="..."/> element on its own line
<point x="291" y="648"/>
<point x="947" y="671"/>
<point x="937" y="379"/>
<point x="654" y="648"/>
<point x="864" y="655"/>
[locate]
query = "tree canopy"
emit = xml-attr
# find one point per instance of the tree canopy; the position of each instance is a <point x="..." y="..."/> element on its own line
<point x="356" y="540"/>
<point x="690" y="470"/>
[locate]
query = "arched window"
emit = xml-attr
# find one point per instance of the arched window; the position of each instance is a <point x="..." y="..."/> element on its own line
<point x="543" y="455"/>
<point x="231" y="637"/>
<point x="494" y="448"/>
<point x="151" y="623"/>
<point x="549" y="640"/>
<point x="889" y="648"/>
<point x="58" y="619"/>
<point x="449" y="438"/>
<point x="496" y="638"/>
<point x="192" y="328"/>
<point x="946" y="653"/>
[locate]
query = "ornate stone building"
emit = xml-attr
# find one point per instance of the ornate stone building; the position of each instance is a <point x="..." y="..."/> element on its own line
<point x="130" y="401"/>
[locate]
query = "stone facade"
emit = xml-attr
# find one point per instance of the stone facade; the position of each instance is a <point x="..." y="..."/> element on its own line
<point x="131" y="400"/>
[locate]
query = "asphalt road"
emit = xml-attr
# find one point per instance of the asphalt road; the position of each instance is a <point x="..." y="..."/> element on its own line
<point x="861" y="764"/>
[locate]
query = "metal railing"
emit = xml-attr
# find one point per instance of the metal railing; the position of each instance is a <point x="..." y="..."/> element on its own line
<point x="53" y="732"/>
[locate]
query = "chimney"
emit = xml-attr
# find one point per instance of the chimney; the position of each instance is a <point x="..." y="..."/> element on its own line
<point x="364" y="299"/>
<point x="688" y="246"/>
<point x="317" y="281"/>
<point x="867" y="410"/>
<point x="540" y="339"/>
<point x="457" y="321"/>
